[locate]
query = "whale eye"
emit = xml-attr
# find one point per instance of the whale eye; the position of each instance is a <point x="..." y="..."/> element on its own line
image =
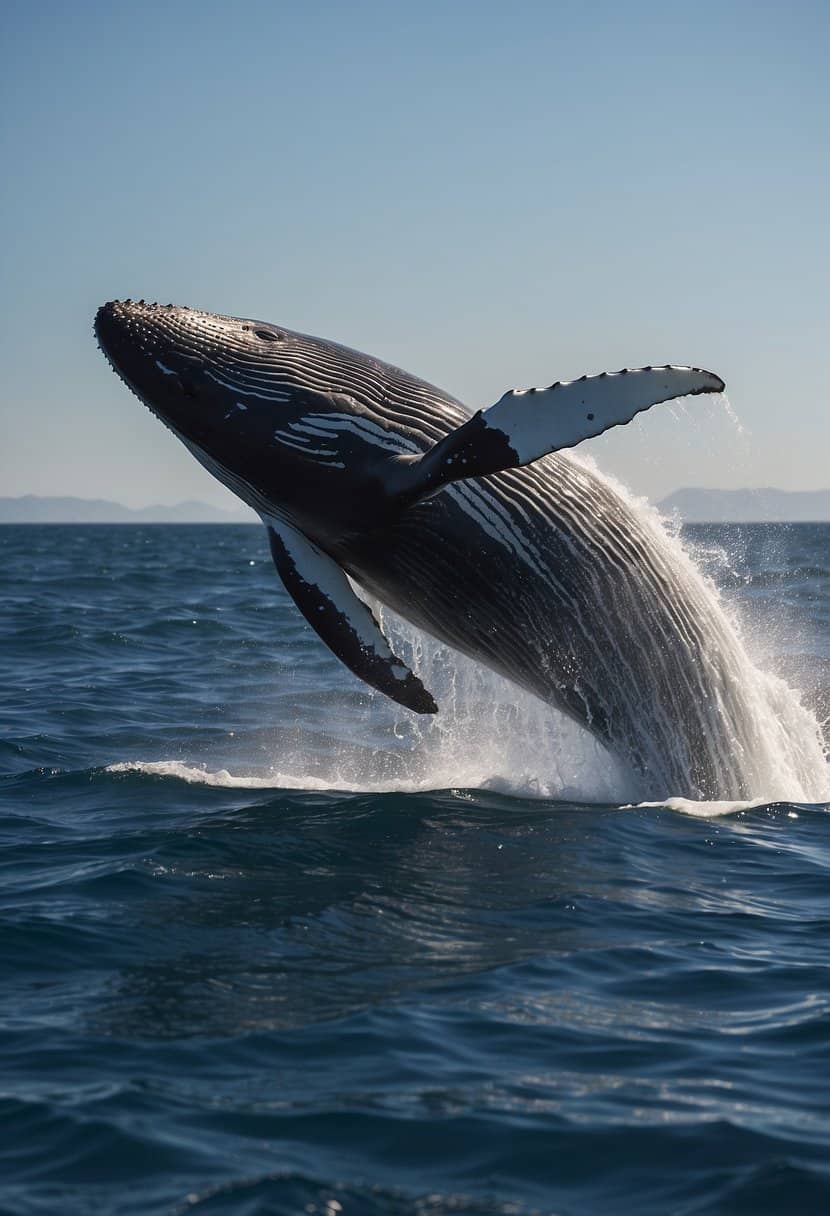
<point x="267" y="335"/>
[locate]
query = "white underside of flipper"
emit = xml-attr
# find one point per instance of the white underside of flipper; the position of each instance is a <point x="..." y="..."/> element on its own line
<point x="345" y="623"/>
<point x="526" y="424"/>
<point x="537" y="421"/>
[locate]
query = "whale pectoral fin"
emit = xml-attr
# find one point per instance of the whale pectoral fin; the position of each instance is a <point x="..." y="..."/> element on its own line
<point x="526" y="424"/>
<point x="325" y="597"/>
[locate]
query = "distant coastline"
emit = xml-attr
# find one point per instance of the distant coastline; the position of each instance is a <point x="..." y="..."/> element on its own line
<point x="31" y="509"/>
<point x="767" y="505"/>
<point x="691" y="504"/>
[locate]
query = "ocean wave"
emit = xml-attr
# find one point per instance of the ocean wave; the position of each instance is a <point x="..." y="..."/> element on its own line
<point x="191" y="774"/>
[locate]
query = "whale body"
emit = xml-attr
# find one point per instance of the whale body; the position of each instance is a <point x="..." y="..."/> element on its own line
<point x="480" y="530"/>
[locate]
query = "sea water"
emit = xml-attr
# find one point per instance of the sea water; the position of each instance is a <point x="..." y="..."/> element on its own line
<point x="270" y="944"/>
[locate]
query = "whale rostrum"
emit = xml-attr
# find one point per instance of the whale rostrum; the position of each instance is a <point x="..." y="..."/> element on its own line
<point x="479" y="529"/>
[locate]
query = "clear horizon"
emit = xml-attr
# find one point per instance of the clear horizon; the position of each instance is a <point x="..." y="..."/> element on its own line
<point x="232" y="503"/>
<point x="490" y="198"/>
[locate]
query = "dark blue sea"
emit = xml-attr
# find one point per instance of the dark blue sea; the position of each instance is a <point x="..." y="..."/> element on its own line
<point x="270" y="945"/>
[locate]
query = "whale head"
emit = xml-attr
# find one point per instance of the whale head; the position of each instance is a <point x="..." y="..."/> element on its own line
<point x="267" y="411"/>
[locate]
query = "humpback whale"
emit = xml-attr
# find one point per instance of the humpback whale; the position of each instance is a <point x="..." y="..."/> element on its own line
<point x="482" y="530"/>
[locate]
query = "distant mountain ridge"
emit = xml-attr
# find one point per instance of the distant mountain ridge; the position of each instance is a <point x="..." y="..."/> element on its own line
<point x="31" y="509"/>
<point x="767" y="505"/>
<point x="692" y="504"/>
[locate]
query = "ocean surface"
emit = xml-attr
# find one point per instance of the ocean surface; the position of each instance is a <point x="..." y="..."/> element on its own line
<point x="269" y="944"/>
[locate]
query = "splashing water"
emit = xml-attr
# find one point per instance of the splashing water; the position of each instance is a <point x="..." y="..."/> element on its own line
<point x="778" y="741"/>
<point x="490" y="734"/>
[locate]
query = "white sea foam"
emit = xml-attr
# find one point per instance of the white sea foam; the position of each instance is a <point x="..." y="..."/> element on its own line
<point x="194" y="775"/>
<point x="700" y="810"/>
<point x="533" y="788"/>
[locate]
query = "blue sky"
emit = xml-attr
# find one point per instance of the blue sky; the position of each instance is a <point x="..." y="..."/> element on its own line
<point x="490" y="195"/>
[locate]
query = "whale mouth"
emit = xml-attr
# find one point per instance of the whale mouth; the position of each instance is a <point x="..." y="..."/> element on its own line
<point x="121" y="334"/>
<point x="154" y="349"/>
<point x="136" y="337"/>
<point x="134" y="348"/>
<point x="108" y="328"/>
<point x="117" y="340"/>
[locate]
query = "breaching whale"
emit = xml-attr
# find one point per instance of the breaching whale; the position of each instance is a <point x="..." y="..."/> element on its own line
<point x="479" y="529"/>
